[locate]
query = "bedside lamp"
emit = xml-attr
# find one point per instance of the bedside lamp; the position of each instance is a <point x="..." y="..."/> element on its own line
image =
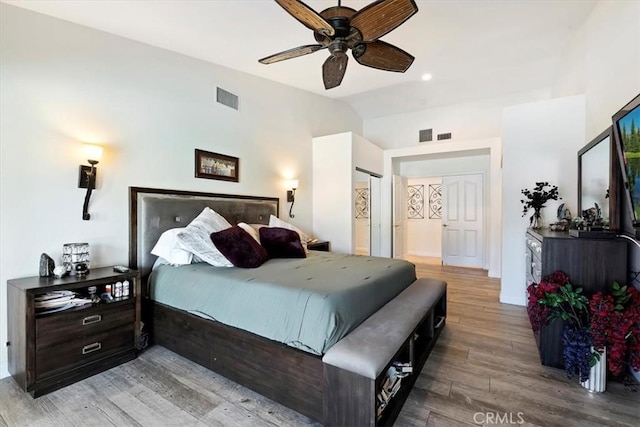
<point x="291" y="195"/>
<point x="94" y="155"/>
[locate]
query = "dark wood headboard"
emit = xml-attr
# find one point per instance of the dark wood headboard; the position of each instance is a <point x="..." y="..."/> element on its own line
<point x="152" y="211"/>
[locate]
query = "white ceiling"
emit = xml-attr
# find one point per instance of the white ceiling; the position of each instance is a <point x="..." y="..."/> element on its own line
<point x="473" y="48"/>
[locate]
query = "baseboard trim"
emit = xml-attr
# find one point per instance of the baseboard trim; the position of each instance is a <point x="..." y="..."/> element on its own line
<point x="425" y="254"/>
<point x="4" y="369"/>
<point x="506" y="299"/>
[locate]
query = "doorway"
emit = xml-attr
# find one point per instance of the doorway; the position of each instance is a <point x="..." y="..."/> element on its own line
<point x="461" y="157"/>
<point x="440" y="220"/>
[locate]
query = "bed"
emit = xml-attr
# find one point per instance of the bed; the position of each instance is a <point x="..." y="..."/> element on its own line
<point x="286" y="367"/>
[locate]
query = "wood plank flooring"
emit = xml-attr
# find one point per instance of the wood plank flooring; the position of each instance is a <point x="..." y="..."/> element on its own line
<point x="484" y="369"/>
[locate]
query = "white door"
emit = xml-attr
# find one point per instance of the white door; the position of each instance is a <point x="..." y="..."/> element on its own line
<point x="399" y="215"/>
<point x="463" y="220"/>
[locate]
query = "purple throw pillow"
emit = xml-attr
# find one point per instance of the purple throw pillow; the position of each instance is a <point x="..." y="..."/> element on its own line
<point x="239" y="247"/>
<point x="281" y="243"/>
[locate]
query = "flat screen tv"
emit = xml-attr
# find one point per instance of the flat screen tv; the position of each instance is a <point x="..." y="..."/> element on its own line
<point x="626" y="132"/>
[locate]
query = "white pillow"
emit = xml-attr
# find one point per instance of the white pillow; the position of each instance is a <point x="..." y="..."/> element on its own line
<point x="170" y="249"/>
<point x="277" y="222"/>
<point x="249" y="229"/>
<point x="196" y="237"/>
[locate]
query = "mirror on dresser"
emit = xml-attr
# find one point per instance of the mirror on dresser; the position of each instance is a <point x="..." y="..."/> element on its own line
<point x="594" y="180"/>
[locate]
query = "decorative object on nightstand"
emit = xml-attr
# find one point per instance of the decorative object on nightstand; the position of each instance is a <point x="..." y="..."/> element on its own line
<point x="319" y="245"/>
<point x="74" y="254"/>
<point x="291" y="195"/>
<point x="536" y="200"/>
<point x="88" y="175"/>
<point x="50" y="348"/>
<point x="60" y="271"/>
<point x="47" y="265"/>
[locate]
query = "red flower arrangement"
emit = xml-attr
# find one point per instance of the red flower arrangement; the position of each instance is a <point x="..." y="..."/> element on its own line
<point x="539" y="313"/>
<point x="610" y="320"/>
<point x="615" y="324"/>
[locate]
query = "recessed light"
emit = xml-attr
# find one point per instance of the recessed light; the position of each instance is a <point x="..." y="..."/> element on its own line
<point x="427" y="77"/>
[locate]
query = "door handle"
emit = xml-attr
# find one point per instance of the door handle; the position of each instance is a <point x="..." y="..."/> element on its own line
<point x="444" y="225"/>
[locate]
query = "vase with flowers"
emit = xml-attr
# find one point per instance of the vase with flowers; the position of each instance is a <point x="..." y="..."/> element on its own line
<point x="535" y="199"/>
<point x="568" y="303"/>
<point x="608" y="324"/>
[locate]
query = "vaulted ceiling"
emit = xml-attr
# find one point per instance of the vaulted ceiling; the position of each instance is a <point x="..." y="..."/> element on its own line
<point x="473" y="49"/>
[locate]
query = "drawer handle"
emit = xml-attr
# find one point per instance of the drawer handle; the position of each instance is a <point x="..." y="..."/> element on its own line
<point x="91" y="319"/>
<point x="90" y="348"/>
<point x="440" y="320"/>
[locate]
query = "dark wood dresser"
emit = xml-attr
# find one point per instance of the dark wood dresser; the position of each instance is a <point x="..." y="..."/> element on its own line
<point x="593" y="264"/>
<point x="48" y="351"/>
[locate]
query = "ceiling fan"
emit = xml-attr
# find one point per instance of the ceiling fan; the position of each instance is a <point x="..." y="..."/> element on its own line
<point x="341" y="28"/>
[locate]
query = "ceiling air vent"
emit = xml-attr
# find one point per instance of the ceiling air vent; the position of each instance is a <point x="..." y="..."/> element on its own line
<point x="426" y="135"/>
<point x="442" y="136"/>
<point x="227" y="98"/>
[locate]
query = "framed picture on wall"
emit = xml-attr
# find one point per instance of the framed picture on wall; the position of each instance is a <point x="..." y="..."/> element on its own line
<point x="216" y="166"/>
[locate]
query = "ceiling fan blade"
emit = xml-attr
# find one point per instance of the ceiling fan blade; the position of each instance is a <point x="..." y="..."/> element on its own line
<point x="291" y="53"/>
<point x="333" y="71"/>
<point x="383" y="56"/>
<point x="309" y="17"/>
<point x="382" y="16"/>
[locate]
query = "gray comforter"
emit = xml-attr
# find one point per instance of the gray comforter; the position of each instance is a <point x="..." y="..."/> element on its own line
<point x="307" y="303"/>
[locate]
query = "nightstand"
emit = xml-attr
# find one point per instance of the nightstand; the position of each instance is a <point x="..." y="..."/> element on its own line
<point x="319" y="245"/>
<point x="48" y="351"/>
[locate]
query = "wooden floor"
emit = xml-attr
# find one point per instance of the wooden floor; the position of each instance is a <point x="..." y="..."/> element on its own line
<point x="484" y="368"/>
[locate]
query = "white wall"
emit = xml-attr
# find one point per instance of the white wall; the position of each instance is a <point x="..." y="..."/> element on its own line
<point x="424" y="235"/>
<point x="335" y="158"/>
<point x="540" y="143"/>
<point x="64" y="84"/>
<point x="333" y="191"/>
<point x="366" y="155"/>
<point x="603" y="62"/>
<point x="467" y="121"/>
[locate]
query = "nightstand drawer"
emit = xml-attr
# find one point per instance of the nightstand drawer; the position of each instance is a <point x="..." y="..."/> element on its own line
<point x="77" y="351"/>
<point x="64" y="327"/>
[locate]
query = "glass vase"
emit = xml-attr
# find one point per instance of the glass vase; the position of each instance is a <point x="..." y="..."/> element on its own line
<point x="536" y="220"/>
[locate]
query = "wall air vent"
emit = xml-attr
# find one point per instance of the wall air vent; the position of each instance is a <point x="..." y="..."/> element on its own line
<point x="442" y="136"/>
<point x="426" y="135"/>
<point x="227" y="98"/>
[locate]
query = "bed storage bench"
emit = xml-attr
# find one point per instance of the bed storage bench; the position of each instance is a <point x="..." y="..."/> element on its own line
<point x="400" y="336"/>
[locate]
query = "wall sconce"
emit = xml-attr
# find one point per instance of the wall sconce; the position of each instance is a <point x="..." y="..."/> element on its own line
<point x="291" y="195"/>
<point x="88" y="175"/>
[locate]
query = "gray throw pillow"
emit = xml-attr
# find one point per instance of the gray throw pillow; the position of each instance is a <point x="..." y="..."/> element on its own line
<point x="196" y="237"/>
